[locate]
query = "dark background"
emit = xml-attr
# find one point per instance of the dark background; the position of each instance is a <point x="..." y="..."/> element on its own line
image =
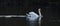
<point x="17" y="21"/>
<point x="50" y="9"/>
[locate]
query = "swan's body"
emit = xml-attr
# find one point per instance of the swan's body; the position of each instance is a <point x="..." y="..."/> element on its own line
<point x="32" y="16"/>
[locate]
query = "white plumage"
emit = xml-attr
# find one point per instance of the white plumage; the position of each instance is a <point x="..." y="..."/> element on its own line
<point x="32" y="16"/>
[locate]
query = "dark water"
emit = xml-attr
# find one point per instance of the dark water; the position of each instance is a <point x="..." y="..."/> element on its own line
<point x="12" y="21"/>
<point x="33" y="23"/>
<point x="50" y="11"/>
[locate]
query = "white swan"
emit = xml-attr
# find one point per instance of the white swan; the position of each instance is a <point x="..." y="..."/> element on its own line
<point x="32" y="16"/>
